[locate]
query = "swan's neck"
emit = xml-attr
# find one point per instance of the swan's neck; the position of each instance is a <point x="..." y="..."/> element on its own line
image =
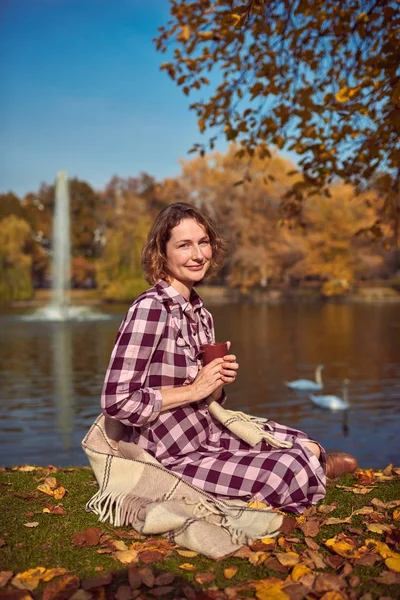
<point x="345" y="393"/>
<point x="318" y="377"/>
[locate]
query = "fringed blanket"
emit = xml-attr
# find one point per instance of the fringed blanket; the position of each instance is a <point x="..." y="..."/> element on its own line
<point x="136" y="490"/>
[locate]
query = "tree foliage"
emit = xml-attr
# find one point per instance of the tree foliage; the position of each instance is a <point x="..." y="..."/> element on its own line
<point x="317" y="78"/>
<point x="15" y="262"/>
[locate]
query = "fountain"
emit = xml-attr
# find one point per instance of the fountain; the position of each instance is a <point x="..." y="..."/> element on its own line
<point x="60" y="308"/>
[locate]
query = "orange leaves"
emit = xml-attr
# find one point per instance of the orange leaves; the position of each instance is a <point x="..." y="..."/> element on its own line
<point x="29" y="580"/>
<point x="51" y="488"/>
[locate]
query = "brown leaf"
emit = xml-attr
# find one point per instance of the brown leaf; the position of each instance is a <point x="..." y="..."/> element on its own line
<point x="124" y="592"/>
<point x="126" y="556"/>
<point x="325" y="509"/>
<point x="354" y="581"/>
<point x="243" y="552"/>
<point x="189" y="592"/>
<point x="162" y="591"/>
<point x="187" y="553"/>
<point x="311" y="544"/>
<point x="11" y="594"/>
<point x="335" y="561"/>
<point x="203" y="578"/>
<point x="295" y="591"/>
<point x="3" y="543"/>
<point x="134" y="577"/>
<point x="327" y="582"/>
<point x="317" y="560"/>
<point x="164" y="579"/>
<point x="147" y="576"/>
<point x="151" y="556"/>
<point x="388" y="578"/>
<point x="62" y="588"/>
<point x="336" y="521"/>
<point x="288" y="524"/>
<point x="367" y="559"/>
<point x="28" y="580"/>
<point x="87" y="537"/>
<point x="56" y="510"/>
<point x="310" y="528"/>
<point x="96" y="582"/>
<point x="274" y="565"/>
<point x="5" y="577"/>
<point x="288" y="559"/>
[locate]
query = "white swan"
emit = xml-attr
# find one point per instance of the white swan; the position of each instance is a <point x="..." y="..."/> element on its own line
<point x="307" y="384"/>
<point x="333" y="402"/>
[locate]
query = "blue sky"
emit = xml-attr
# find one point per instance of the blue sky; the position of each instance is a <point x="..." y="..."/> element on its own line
<point x="82" y="91"/>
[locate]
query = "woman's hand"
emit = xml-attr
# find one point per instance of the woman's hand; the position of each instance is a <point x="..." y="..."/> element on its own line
<point x="208" y="379"/>
<point x="229" y="369"/>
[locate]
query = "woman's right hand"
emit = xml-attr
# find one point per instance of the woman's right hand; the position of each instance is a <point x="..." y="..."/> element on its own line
<point x="207" y="380"/>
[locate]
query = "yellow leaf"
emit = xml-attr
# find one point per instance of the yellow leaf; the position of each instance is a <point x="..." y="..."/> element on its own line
<point x="187" y="553"/>
<point x="273" y="591"/>
<point x="120" y="545"/>
<point x="32" y="524"/>
<point x="230" y="572"/>
<point x="288" y="559"/>
<point x="26" y="469"/>
<point x="235" y="19"/>
<point x="126" y="556"/>
<point x="268" y="541"/>
<point x="46" y="489"/>
<point x="187" y="567"/>
<point x="347" y="93"/>
<point x="257" y="558"/>
<point x="51" y="573"/>
<point x="396" y="514"/>
<point x="366" y="510"/>
<point x="342" y="548"/>
<point x="299" y="571"/>
<point x="46" y="510"/>
<point x="378" y="527"/>
<point x="59" y="492"/>
<point x="29" y="580"/>
<point x="382" y="549"/>
<point x="332" y="595"/>
<point x="393" y="563"/>
<point x="256" y="504"/>
<point x="51" y="482"/>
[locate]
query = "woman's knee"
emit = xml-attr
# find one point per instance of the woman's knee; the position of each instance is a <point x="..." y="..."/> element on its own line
<point x="315" y="449"/>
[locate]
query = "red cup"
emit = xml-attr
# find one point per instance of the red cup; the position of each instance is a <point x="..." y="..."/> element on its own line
<point x="210" y="352"/>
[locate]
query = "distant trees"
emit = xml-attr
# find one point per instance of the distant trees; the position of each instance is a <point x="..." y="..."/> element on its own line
<point x="15" y="263"/>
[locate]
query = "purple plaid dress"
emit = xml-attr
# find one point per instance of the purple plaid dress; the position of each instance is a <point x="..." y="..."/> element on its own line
<point x="157" y="347"/>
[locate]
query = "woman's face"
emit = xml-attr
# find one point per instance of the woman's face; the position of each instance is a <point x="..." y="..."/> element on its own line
<point x="188" y="253"/>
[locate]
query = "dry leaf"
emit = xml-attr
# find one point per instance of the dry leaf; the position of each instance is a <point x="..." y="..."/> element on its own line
<point x="343" y="547"/>
<point x="28" y="580"/>
<point x="119" y="545"/>
<point x="32" y="524"/>
<point x="5" y="577"/>
<point x="59" y="492"/>
<point x="87" y="537"/>
<point x="123" y="592"/>
<point x="147" y="576"/>
<point x="203" y="578"/>
<point x="270" y="591"/>
<point x="332" y="595"/>
<point x="335" y="521"/>
<point x="366" y="510"/>
<point x="327" y="582"/>
<point x="393" y="563"/>
<point x="258" y="558"/>
<point x="396" y="514"/>
<point x="62" y="587"/>
<point x="383" y="549"/>
<point x="92" y="583"/>
<point x="164" y="579"/>
<point x="187" y="567"/>
<point x="51" y="573"/>
<point x="356" y="489"/>
<point x="310" y="528"/>
<point x="134" y="577"/>
<point x="151" y="556"/>
<point x="324" y="509"/>
<point x="379" y="527"/>
<point x="46" y="489"/>
<point x="187" y="553"/>
<point x="256" y="504"/>
<point x="126" y="556"/>
<point x="25" y="469"/>
<point x="162" y="591"/>
<point x="230" y="572"/>
<point x="299" y="570"/>
<point x="287" y="559"/>
<point x="51" y="482"/>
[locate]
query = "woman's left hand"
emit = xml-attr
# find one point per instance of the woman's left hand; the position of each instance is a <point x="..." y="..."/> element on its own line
<point x="229" y="367"/>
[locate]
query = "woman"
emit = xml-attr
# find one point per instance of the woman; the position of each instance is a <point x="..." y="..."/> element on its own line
<point x="156" y="385"/>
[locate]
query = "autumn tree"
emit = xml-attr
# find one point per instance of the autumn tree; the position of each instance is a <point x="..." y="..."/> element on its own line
<point x="317" y="78"/>
<point x="15" y="263"/>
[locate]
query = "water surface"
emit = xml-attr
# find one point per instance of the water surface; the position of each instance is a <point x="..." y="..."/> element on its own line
<point x="51" y="377"/>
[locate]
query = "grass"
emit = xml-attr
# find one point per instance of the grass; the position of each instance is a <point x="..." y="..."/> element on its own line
<point x="50" y="543"/>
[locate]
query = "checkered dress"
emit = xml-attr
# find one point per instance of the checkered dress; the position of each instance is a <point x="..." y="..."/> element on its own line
<point x="157" y="347"/>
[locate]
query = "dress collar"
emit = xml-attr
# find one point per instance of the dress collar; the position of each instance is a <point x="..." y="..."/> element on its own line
<point x="171" y="295"/>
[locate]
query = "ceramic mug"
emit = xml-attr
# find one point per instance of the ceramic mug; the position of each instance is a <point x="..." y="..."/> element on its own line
<point x="210" y="352"/>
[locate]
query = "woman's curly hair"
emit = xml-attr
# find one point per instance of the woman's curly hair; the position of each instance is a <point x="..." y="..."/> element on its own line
<point x="154" y="260"/>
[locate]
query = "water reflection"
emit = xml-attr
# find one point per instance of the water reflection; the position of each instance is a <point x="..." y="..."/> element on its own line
<point x="52" y="373"/>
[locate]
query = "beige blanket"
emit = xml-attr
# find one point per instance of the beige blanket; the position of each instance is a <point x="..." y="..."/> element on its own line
<point x="136" y="490"/>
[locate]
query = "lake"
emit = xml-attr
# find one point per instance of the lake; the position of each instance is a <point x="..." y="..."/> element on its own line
<point x="52" y="373"/>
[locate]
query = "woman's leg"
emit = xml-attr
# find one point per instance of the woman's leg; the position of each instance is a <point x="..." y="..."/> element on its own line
<point x="315" y="449"/>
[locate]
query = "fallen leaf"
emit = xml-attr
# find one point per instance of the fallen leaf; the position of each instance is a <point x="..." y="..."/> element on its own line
<point x="383" y="549"/>
<point x="256" y="504"/>
<point x="258" y="558"/>
<point x="270" y="591"/>
<point x="134" y="577"/>
<point x="151" y="556"/>
<point x="332" y="595"/>
<point x="311" y="544"/>
<point x="123" y="592"/>
<point x="164" y="579"/>
<point x="288" y="524"/>
<point x="187" y="567"/>
<point x="147" y="576"/>
<point x="51" y="573"/>
<point x="203" y="578"/>
<point x="162" y="591"/>
<point x="26" y="469"/>
<point x="59" y="492"/>
<point x="126" y="556"/>
<point x="274" y="565"/>
<point x="230" y="572"/>
<point x="45" y="488"/>
<point x="310" y="528"/>
<point x="62" y="588"/>
<point x="327" y="582"/>
<point x="32" y="524"/>
<point x="379" y="528"/>
<point x="396" y="514"/>
<point x="324" y="509"/>
<point x="51" y="482"/>
<point x="295" y="591"/>
<point x="28" y="580"/>
<point x="87" y="537"/>
<point x="335" y="521"/>
<point x="356" y="489"/>
<point x="10" y="594"/>
<point x="317" y="559"/>
<point x="365" y="476"/>
<point x="187" y="553"/>
<point x="288" y="559"/>
<point x="5" y="577"/>
<point x="55" y="510"/>
<point x="365" y="510"/>
<point x="342" y="547"/>
<point x="298" y="571"/>
<point x="388" y="578"/>
<point x="92" y="583"/>
<point x="119" y="545"/>
<point x="393" y="563"/>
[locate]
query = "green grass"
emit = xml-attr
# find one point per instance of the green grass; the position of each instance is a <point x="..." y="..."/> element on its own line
<point x="50" y="543"/>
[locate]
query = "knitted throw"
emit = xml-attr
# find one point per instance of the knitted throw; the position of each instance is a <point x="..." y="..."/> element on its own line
<point x="248" y="428"/>
<point x="136" y="490"/>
